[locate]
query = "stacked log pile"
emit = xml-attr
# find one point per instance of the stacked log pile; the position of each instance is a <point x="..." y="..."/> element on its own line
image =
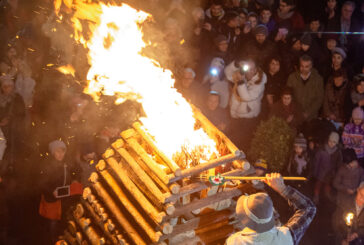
<point x="140" y="196"/>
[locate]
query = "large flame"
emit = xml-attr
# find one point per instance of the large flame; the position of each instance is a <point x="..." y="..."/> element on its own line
<point x="119" y="69"/>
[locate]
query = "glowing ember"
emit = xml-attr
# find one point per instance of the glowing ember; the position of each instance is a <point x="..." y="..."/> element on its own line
<point x="68" y="69"/>
<point x="118" y="68"/>
<point x="349" y="219"/>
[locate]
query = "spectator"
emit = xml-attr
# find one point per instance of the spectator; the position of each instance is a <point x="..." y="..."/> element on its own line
<point x="86" y="159"/>
<point x="310" y="48"/>
<point x="265" y="18"/>
<point x="287" y="15"/>
<point x="214" y="15"/>
<point x="315" y="29"/>
<point x="353" y="135"/>
<point x="260" y="48"/>
<point x="327" y="160"/>
<point x="57" y="173"/>
<point x="216" y="81"/>
<point x="336" y="94"/>
<point x="298" y="164"/>
<point x="290" y="53"/>
<point x="256" y="217"/>
<point x="338" y="57"/>
<point x="217" y="115"/>
<point x="253" y="19"/>
<point x="287" y="109"/>
<point x="249" y="82"/>
<point x="230" y="29"/>
<point x="308" y="88"/>
<point x="275" y="80"/>
<point x="348" y="177"/>
<point x="356" y="232"/>
<point x="326" y="54"/>
<point x="188" y="87"/>
<point x="331" y="12"/>
<point x="357" y="94"/>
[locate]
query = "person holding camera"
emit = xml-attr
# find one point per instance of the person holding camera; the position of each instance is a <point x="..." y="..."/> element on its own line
<point x="248" y="90"/>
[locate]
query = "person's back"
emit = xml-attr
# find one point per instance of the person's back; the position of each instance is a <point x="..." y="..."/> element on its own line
<point x="255" y="213"/>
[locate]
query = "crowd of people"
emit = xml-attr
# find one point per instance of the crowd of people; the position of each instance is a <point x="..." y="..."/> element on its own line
<point x="239" y="61"/>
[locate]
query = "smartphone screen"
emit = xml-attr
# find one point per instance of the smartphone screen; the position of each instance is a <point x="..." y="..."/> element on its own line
<point x="63" y="191"/>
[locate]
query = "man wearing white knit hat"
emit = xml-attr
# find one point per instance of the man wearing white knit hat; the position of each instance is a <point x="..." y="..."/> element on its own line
<point x="255" y="213"/>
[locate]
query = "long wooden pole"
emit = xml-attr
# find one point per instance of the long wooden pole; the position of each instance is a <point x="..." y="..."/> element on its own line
<point x="260" y="178"/>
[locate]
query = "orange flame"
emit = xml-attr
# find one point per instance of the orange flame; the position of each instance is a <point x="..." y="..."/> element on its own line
<point x="118" y="69"/>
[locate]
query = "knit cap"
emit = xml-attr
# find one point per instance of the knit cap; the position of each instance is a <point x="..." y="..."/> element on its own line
<point x="56" y="144"/>
<point x="261" y="164"/>
<point x="306" y="39"/>
<point x="261" y="29"/>
<point x="357" y="113"/>
<point x="339" y="51"/>
<point x="300" y="141"/>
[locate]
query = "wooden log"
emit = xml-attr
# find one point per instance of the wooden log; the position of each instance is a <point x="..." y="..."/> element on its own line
<point x="154" y="236"/>
<point x="188" y="189"/>
<point x="99" y="222"/>
<point x="217" y="234"/>
<point x="70" y="239"/>
<point x="89" y="231"/>
<point x="170" y="163"/>
<point x="207" y="201"/>
<point x="133" y="190"/>
<point x="211" y="164"/>
<point x="147" y="163"/>
<point x="122" y="220"/>
<point x="200" y="222"/>
<point x="211" y="227"/>
<point x="143" y="177"/>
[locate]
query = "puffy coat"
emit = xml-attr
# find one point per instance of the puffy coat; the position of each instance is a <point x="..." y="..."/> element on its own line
<point x="246" y="101"/>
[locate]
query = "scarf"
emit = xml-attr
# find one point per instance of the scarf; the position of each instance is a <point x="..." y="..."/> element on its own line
<point x="284" y="16"/>
<point x="330" y="150"/>
<point x="301" y="164"/>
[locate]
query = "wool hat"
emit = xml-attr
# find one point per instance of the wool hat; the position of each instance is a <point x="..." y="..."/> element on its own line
<point x="301" y="141"/>
<point x="256" y="212"/>
<point x="219" y="39"/>
<point x="339" y="51"/>
<point x="334" y="136"/>
<point x="306" y="39"/>
<point x="56" y="144"/>
<point x="261" y="164"/>
<point x="349" y="155"/>
<point x="357" y="113"/>
<point x="261" y="29"/>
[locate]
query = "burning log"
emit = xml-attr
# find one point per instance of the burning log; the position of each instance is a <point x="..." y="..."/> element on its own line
<point x="170" y="163"/>
<point x="123" y="221"/>
<point x="211" y="164"/>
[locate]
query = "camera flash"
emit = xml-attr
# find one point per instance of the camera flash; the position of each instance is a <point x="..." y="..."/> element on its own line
<point x="245" y="68"/>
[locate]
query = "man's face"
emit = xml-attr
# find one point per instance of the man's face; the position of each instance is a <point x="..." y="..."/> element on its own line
<point x="260" y="38"/>
<point x="216" y="10"/>
<point x="305" y="67"/>
<point x="298" y="149"/>
<point x="305" y="47"/>
<point x="354" y="164"/>
<point x="274" y="66"/>
<point x="253" y="21"/>
<point x="223" y="46"/>
<point x="284" y="7"/>
<point x="347" y="12"/>
<point x="59" y="154"/>
<point x="233" y="23"/>
<point x="337" y="59"/>
<point x="265" y="16"/>
<point x="360" y="197"/>
<point x="187" y="79"/>
<point x="314" y="25"/>
<point x="213" y="102"/>
<point x="286" y="99"/>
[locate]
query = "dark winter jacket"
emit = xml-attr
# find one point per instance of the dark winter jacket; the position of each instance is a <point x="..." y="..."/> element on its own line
<point x="309" y="94"/>
<point x="335" y="100"/>
<point x="282" y="111"/>
<point x="326" y="163"/>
